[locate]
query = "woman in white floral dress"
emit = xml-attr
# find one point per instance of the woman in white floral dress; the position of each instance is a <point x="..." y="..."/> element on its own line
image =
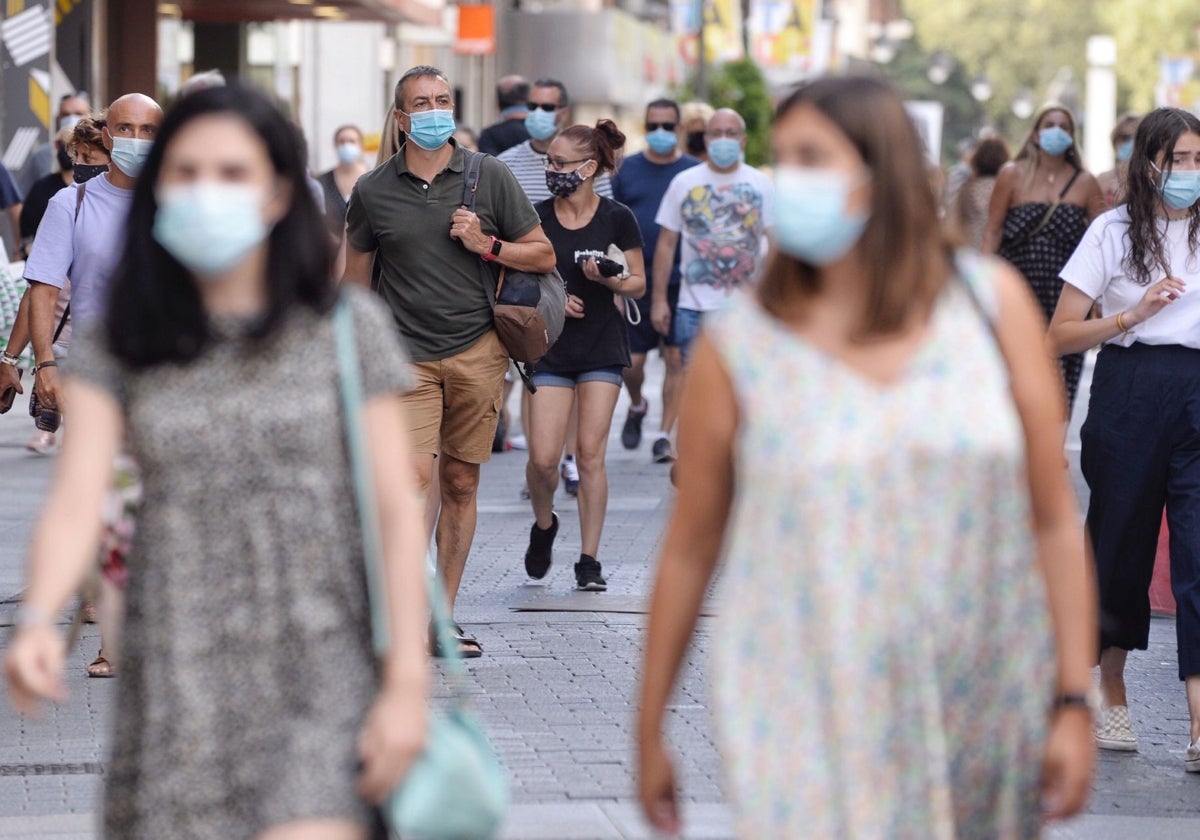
<point x="872" y="442"/>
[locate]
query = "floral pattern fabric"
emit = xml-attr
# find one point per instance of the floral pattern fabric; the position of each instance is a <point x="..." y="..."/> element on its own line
<point x="884" y="663"/>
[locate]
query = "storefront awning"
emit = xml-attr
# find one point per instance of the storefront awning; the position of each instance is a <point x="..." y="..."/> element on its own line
<point x="425" y="12"/>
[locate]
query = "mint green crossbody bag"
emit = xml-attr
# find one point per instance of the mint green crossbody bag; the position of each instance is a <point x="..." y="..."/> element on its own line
<point x="456" y="789"/>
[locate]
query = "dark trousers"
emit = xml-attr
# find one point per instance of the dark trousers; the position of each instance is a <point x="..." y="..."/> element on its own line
<point x="1141" y="450"/>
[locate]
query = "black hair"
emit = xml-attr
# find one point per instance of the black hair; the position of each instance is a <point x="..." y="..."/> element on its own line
<point x="421" y="71"/>
<point x="563" y="98"/>
<point x="666" y="103"/>
<point x="155" y="313"/>
<point x="1157" y="133"/>
<point x="512" y="95"/>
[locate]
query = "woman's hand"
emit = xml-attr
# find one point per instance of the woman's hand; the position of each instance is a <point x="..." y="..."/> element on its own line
<point x="34" y="667"/>
<point x="1069" y="763"/>
<point x="592" y="271"/>
<point x="656" y="786"/>
<point x="392" y="738"/>
<point x="1159" y="295"/>
<point x="574" y="306"/>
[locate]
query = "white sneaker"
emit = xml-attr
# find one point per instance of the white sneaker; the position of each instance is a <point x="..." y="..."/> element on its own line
<point x="1191" y="759"/>
<point x="518" y="442"/>
<point x="43" y="443"/>
<point x="1114" y="730"/>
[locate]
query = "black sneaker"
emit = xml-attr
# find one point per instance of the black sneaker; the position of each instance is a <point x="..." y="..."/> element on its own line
<point x="587" y="575"/>
<point x="661" y="451"/>
<point x="540" y="553"/>
<point x="631" y="434"/>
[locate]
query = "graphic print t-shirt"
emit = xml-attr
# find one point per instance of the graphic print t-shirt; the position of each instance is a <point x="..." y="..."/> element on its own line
<point x="722" y="219"/>
<point x="598" y="339"/>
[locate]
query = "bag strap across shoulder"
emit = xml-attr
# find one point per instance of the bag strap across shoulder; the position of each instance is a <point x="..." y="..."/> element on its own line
<point x="473" y="162"/>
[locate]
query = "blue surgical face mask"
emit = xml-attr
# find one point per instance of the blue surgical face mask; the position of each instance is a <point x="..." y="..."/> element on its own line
<point x="812" y="221"/>
<point x="431" y="129"/>
<point x="1124" y="150"/>
<point x="724" y="152"/>
<point x="129" y="155"/>
<point x="540" y="124"/>
<point x="1181" y="189"/>
<point x="661" y="141"/>
<point x="1054" y="140"/>
<point x="209" y="226"/>
<point x="348" y="153"/>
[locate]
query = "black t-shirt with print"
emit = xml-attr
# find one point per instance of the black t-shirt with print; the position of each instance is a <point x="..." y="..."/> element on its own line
<point x="598" y="339"/>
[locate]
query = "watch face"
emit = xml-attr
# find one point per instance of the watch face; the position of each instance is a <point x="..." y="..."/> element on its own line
<point x="495" y="247"/>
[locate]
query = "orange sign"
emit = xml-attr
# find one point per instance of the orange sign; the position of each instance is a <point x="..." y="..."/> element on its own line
<point x="476" y="30"/>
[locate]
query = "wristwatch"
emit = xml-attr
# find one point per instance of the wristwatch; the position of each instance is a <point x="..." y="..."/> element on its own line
<point x="492" y="252"/>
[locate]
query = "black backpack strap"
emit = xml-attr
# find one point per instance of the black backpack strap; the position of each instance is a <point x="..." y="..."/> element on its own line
<point x="472" y="163"/>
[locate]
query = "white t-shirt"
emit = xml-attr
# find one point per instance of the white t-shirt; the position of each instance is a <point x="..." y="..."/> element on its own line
<point x="722" y="219"/>
<point x="86" y="250"/>
<point x="1096" y="270"/>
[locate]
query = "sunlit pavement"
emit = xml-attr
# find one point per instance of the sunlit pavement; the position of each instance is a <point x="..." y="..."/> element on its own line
<point x="556" y="683"/>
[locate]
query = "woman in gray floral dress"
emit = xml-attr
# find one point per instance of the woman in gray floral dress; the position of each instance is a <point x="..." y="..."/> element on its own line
<point x="249" y="692"/>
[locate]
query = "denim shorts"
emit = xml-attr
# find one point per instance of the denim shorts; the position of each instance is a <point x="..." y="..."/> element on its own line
<point x="686" y="326"/>
<point x="557" y="379"/>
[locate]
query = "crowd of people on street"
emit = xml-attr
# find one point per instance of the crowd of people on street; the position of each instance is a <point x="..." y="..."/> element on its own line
<point x="866" y="381"/>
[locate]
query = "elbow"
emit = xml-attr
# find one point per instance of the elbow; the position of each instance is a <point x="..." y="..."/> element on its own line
<point x="545" y="261"/>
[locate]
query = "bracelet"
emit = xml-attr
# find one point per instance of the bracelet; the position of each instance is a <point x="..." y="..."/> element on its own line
<point x="10" y="359"/>
<point x="1121" y="324"/>
<point x="1088" y="702"/>
<point x="52" y="363"/>
<point x="27" y="615"/>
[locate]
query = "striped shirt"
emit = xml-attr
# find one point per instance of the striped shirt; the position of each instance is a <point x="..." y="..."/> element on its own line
<point x="529" y="167"/>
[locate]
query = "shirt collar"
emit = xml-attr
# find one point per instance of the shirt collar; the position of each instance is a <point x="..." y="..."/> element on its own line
<point x="457" y="160"/>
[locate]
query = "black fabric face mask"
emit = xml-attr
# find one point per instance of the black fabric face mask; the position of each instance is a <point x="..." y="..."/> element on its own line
<point x="695" y="142"/>
<point x="87" y="171"/>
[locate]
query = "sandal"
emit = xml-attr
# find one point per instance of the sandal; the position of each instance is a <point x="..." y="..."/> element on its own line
<point x="101" y="667"/>
<point x="468" y="646"/>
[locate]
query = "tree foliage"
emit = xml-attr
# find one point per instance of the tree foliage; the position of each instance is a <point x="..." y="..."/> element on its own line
<point x="740" y="85"/>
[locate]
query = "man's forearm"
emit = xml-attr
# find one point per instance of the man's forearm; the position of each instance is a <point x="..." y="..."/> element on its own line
<point x="43" y="298"/>
<point x="527" y="256"/>
<point x="18" y="338"/>
<point x="663" y="260"/>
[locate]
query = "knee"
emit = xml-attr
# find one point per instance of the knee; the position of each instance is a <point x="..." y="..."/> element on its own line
<point x="459" y="482"/>
<point x="542" y="470"/>
<point x="673" y="361"/>
<point x="589" y="460"/>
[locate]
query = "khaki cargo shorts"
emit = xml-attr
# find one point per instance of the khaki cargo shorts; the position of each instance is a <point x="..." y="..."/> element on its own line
<point x="454" y="404"/>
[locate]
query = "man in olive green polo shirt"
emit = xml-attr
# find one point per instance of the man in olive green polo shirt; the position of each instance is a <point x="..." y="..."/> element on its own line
<point x="408" y="214"/>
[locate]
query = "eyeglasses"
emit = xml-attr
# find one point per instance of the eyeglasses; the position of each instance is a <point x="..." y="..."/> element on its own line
<point x="665" y="126"/>
<point x="559" y="165"/>
<point x="545" y="106"/>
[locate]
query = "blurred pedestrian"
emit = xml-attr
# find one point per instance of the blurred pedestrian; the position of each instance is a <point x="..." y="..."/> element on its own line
<point x="512" y="93"/>
<point x="1041" y="205"/>
<point x="408" y="216"/>
<point x="202" y="81"/>
<point x="718" y="216"/>
<point x="71" y="109"/>
<point x="584" y="366"/>
<point x="871" y="442"/>
<point x="640" y="184"/>
<point x="1112" y="181"/>
<point x="1138" y="262"/>
<point x="956" y="175"/>
<point x="216" y="361"/>
<point x="10" y="203"/>
<point x="695" y="117"/>
<point x="969" y="214"/>
<point x="337" y="183"/>
<point x="466" y="139"/>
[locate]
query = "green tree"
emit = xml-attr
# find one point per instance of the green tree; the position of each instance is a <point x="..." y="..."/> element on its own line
<point x="740" y="85"/>
<point x="1144" y="32"/>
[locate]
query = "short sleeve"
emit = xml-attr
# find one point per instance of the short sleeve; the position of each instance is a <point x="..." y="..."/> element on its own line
<point x="381" y="352"/>
<point x="670" y="210"/>
<point x="628" y="234"/>
<point x="9" y="194"/>
<point x="53" y="249"/>
<point x="359" y="233"/>
<point x="514" y="213"/>
<point x="1087" y="269"/>
<point x="92" y="361"/>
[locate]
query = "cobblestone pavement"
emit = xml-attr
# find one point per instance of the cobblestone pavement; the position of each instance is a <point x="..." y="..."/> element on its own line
<point x="555" y="685"/>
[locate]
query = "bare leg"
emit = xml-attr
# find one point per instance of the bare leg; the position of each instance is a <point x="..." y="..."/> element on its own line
<point x="573" y="428"/>
<point x="1112" y="676"/>
<point x="635" y="377"/>
<point x="456" y="524"/>
<point x="550" y="411"/>
<point x="315" y="830"/>
<point x="596" y="403"/>
<point x="1192" y="685"/>
<point x="672" y="385"/>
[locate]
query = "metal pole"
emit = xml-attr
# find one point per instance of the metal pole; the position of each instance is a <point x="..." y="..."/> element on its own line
<point x="702" y="66"/>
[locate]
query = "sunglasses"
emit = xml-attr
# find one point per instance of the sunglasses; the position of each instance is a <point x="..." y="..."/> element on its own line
<point x="545" y="106"/>
<point x="665" y="126"/>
